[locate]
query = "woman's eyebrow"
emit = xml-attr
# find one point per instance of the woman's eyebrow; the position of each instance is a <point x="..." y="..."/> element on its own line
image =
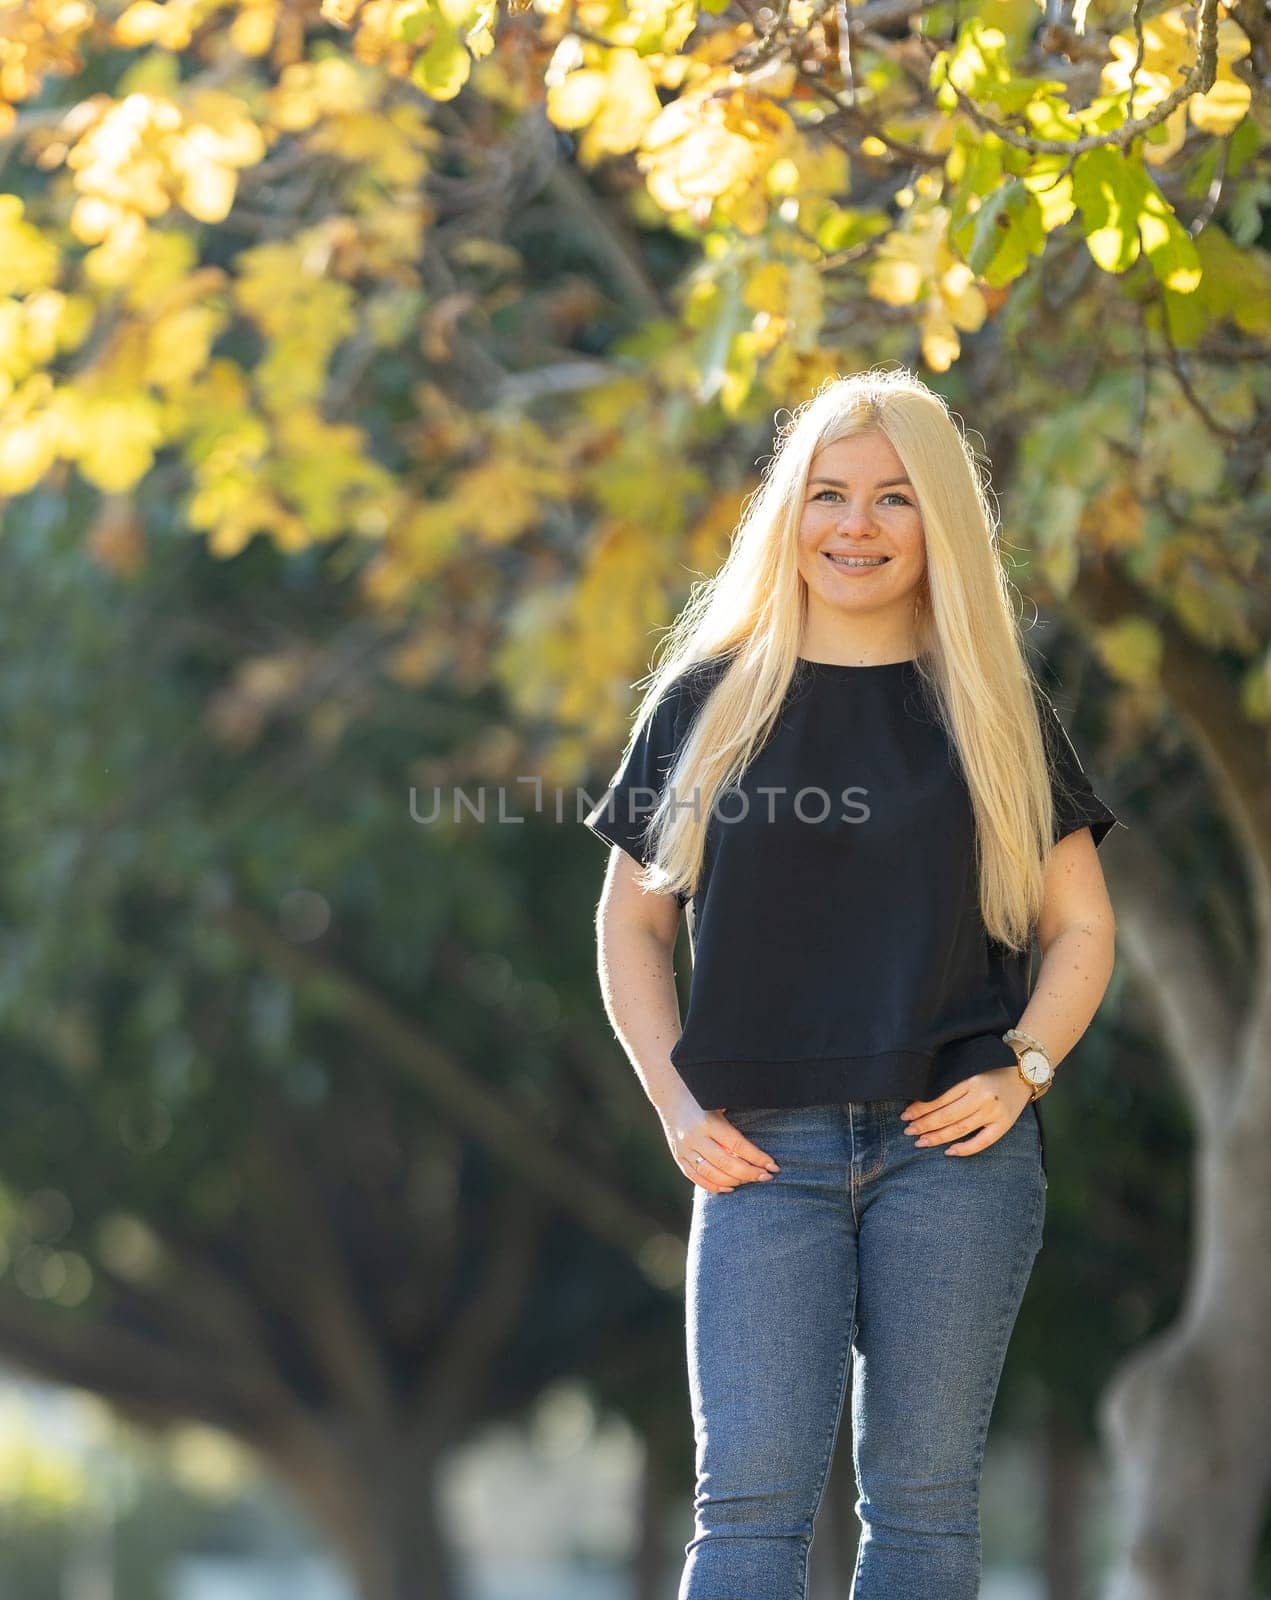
<point x="837" y="483"/>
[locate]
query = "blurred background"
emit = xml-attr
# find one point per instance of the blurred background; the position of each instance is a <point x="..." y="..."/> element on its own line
<point x="375" y="381"/>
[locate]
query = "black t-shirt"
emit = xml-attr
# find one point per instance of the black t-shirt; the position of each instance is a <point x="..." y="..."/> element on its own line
<point x="838" y="948"/>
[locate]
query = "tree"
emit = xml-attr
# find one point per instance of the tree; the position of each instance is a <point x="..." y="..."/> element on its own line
<point x="491" y="307"/>
<point x="285" y="1145"/>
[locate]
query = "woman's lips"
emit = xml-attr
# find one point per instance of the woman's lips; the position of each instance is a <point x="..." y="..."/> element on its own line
<point x="863" y="564"/>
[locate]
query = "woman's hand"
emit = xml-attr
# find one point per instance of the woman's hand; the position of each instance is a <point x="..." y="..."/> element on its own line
<point x="989" y="1101"/>
<point x="728" y="1157"/>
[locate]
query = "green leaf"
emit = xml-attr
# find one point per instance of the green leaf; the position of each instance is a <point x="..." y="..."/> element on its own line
<point x="443" y="69"/>
<point x="1124" y="213"/>
<point x="1236" y="285"/>
<point x="974" y="166"/>
<point x="980" y="67"/>
<point x="1007" y="229"/>
<point x="1108" y="200"/>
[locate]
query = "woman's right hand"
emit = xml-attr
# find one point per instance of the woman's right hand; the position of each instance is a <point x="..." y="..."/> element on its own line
<point x="728" y="1157"/>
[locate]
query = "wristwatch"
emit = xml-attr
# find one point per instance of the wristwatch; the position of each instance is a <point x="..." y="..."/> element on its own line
<point x="1032" y="1061"/>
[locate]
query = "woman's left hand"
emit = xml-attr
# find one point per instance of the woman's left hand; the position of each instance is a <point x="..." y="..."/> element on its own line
<point x="988" y="1101"/>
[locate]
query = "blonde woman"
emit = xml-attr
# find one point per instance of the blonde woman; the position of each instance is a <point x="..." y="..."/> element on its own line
<point x="847" y="771"/>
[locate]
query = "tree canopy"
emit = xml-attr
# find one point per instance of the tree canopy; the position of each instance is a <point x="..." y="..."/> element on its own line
<point x="487" y="295"/>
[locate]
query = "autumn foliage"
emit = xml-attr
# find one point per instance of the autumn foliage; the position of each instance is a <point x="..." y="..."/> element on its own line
<point x="450" y="283"/>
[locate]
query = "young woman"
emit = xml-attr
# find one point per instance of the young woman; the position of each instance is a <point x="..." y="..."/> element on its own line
<point x="847" y="771"/>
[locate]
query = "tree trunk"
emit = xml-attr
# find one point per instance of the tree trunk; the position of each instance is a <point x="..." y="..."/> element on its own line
<point x="383" y="1520"/>
<point x="1185" y="1417"/>
<point x="1187" y="1414"/>
<point x="1064" y="1501"/>
<point x="652" y="1552"/>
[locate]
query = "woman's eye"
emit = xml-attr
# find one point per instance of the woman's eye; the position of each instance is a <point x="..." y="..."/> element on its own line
<point x="892" y="494"/>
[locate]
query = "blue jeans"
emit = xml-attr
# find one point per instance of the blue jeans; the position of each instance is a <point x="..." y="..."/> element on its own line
<point x="912" y="1261"/>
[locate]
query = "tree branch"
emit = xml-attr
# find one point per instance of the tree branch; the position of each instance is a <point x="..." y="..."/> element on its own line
<point x="131" y="1370"/>
<point x="1203" y="692"/>
<point x="1181" y="980"/>
<point x="459" y="1371"/>
<point x="484" y="1114"/>
<point x="315" y="1274"/>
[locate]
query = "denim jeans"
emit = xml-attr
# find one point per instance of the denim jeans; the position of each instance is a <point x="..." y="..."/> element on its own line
<point x="911" y="1261"/>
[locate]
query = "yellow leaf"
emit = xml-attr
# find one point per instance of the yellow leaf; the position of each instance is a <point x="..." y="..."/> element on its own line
<point x="207" y="192"/>
<point x="1115" y="517"/>
<point x="577" y="98"/>
<point x="1158" y="152"/>
<point x="629" y="106"/>
<point x="55" y="322"/>
<point x="28" y="260"/>
<point x="178" y="345"/>
<point x="28" y="448"/>
<point x="92" y="219"/>
<point x="308" y="91"/>
<point x="1131" y="649"/>
<point x="896" y="279"/>
<point x="252" y="31"/>
<point x="140" y="24"/>
<point x="940" y="343"/>
<point x="1058" y="563"/>
<point x="1255" y="690"/>
<point x="221" y="130"/>
<point x="148" y="265"/>
<point x="1167" y="50"/>
<point x="1223" y="107"/>
<point x="767" y="287"/>
<point x="962" y="296"/>
<point x="717" y="147"/>
<point x="112" y="437"/>
<point x="119" y="161"/>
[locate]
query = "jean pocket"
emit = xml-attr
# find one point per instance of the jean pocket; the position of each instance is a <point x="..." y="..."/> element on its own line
<point x="1024" y="1136"/>
<point x="748" y="1114"/>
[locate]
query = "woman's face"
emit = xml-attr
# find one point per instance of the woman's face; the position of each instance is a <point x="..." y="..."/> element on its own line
<point x="859" y="503"/>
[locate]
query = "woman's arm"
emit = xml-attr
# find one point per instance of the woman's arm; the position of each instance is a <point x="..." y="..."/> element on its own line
<point x="635" y="940"/>
<point x="636" y="932"/>
<point x="1076" y="934"/>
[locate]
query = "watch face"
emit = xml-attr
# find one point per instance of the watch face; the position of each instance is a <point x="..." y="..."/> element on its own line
<point x="1034" y="1066"/>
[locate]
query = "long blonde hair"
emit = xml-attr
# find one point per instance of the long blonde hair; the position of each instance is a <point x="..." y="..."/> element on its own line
<point x="970" y="650"/>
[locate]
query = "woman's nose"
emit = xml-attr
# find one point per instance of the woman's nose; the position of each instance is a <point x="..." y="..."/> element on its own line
<point x="857" y="520"/>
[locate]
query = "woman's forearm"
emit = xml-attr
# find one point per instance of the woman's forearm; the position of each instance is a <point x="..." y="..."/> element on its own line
<point x="1071" y="982"/>
<point x="637" y="983"/>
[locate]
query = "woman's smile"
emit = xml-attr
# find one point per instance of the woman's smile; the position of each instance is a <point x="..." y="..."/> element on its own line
<point x="855" y="563"/>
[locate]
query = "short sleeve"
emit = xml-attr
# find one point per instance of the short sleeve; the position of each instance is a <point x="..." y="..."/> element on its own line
<point x="1076" y="803"/>
<point x="624" y="812"/>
